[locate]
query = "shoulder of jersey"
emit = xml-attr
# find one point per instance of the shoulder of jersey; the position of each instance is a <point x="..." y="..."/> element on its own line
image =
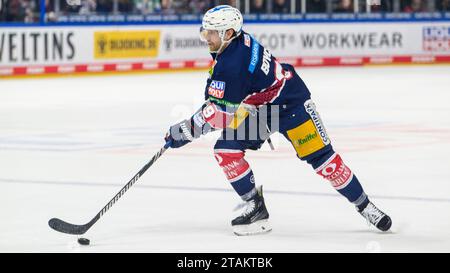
<point x="240" y="58"/>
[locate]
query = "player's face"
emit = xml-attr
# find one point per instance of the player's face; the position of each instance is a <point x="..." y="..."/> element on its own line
<point x="212" y="38"/>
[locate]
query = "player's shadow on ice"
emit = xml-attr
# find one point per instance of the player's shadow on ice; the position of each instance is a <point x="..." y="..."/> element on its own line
<point x="176" y="228"/>
<point x="312" y="232"/>
<point x="366" y="231"/>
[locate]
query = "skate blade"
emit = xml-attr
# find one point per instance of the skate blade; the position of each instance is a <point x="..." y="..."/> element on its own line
<point x="258" y="227"/>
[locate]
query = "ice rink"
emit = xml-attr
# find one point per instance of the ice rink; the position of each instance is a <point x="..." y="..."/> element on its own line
<point x="68" y="145"/>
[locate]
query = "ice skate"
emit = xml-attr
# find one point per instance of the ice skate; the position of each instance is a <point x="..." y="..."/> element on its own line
<point x="376" y="217"/>
<point x="254" y="219"/>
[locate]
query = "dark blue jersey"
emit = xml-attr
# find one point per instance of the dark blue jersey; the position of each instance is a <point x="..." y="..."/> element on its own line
<point x="247" y="73"/>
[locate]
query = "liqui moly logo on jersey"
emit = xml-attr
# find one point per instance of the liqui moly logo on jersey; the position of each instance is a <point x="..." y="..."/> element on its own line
<point x="217" y="89"/>
<point x="436" y="38"/>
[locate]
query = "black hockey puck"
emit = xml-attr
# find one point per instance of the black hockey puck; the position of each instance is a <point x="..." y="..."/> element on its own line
<point x="84" y="241"/>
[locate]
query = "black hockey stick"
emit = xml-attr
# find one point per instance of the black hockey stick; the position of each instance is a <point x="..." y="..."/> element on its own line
<point x="62" y="226"/>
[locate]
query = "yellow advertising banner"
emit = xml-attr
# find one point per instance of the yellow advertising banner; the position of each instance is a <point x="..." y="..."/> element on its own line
<point x="126" y="44"/>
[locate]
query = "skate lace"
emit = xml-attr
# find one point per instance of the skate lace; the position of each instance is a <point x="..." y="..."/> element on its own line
<point x="372" y="214"/>
<point x="247" y="207"/>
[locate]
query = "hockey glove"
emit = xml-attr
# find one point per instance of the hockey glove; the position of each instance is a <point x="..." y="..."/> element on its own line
<point x="187" y="130"/>
<point x="180" y="134"/>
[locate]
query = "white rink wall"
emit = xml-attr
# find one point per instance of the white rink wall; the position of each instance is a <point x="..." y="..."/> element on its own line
<point x="81" y="49"/>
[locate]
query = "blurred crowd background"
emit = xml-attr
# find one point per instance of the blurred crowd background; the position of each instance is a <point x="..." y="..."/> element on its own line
<point x="29" y="10"/>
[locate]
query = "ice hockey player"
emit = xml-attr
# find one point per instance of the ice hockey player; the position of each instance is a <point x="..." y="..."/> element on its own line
<point x="246" y="83"/>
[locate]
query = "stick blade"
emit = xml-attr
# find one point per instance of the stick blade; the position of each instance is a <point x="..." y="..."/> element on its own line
<point x="64" y="227"/>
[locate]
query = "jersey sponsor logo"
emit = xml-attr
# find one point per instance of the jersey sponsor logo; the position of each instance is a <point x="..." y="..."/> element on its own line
<point x="247" y="40"/>
<point x="216" y="89"/>
<point x="335" y="171"/>
<point x="224" y="102"/>
<point x="305" y="139"/>
<point x="254" y="57"/>
<point x="233" y="165"/>
<point x="310" y="108"/>
<point x="308" y="138"/>
<point x="267" y="57"/>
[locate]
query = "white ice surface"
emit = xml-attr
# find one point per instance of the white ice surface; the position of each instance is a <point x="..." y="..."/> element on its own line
<point x="68" y="145"/>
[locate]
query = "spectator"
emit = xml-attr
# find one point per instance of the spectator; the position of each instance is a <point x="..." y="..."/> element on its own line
<point x="147" y="6"/>
<point x="49" y="6"/>
<point x="443" y="5"/>
<point x="125" y="6"/>
<point x="258" y="6"/>
<point x="316" y="6"/>
<point x="29" y="16"/>
<point x="384" y="6"/>
<point x="281" y="6"/>
<point x="2" y="11"/>
<point x="13" y="11"/>
<point x="344" y="6"/>
<point x="65" y="8"/>
<point x="50" y="15"/>
<point x="30" y="11"/>
<point x="199" y="6"/>
<point x="104" y="6"/>
<point x="166" y="7"/>
<point x="180" y="6"/>
<point x="226" y="2"/>
<point x="87" y="6"/>
<point x="415" y="6"/>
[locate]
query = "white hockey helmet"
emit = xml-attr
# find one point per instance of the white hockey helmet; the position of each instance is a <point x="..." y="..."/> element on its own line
<point x="222" y="18"/>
